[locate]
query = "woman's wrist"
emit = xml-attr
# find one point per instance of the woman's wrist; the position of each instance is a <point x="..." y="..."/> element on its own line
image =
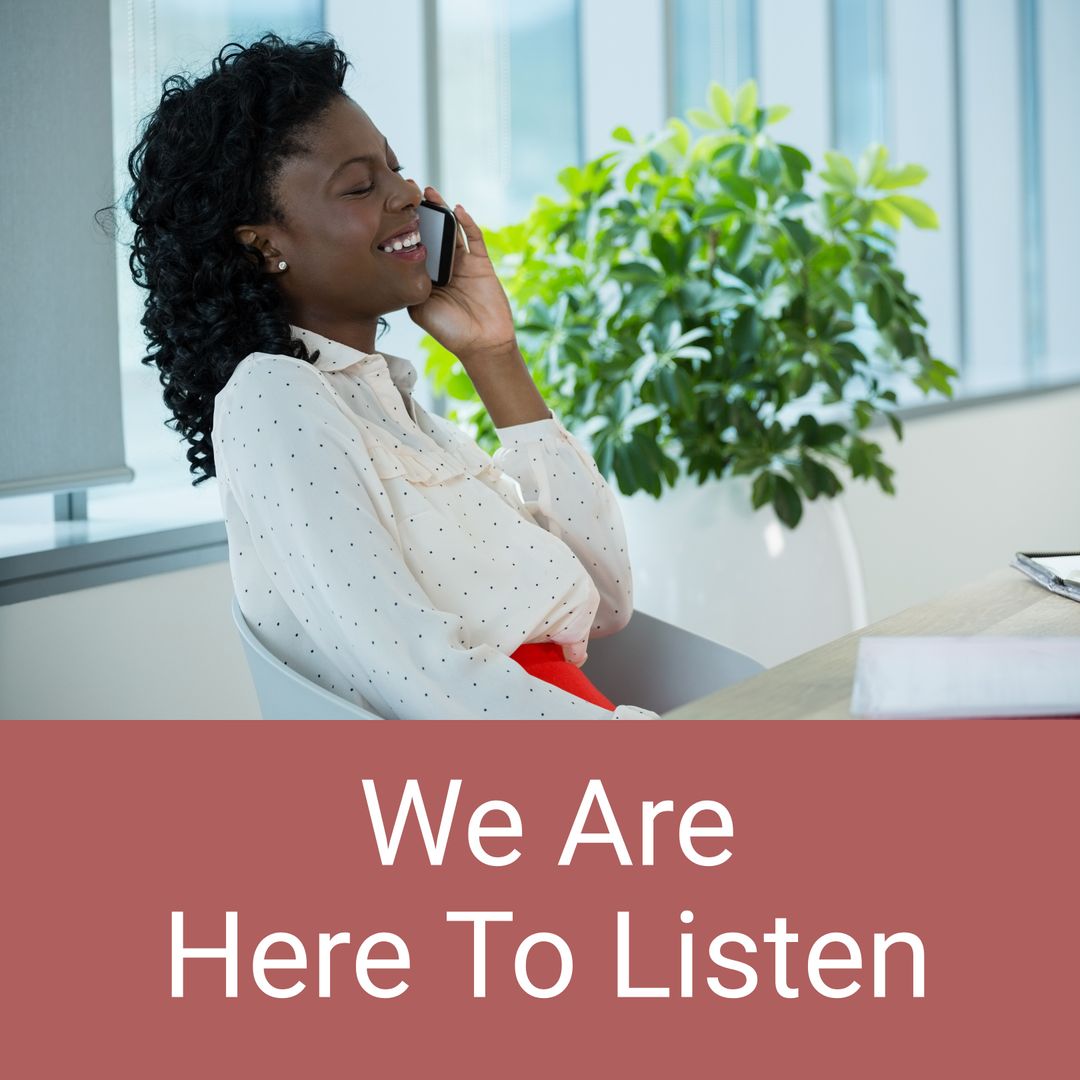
<point x="504" y="384"/>
<point x="503" y="352"/>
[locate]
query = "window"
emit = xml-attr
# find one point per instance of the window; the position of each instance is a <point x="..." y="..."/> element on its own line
<point x="715" y="42"/>
<point x="858" y="74"/>
<point x="509" y="107"/>
<point x="981" y="92"/>
<point x="153" y="39"/>
<point x="149" y="40"/>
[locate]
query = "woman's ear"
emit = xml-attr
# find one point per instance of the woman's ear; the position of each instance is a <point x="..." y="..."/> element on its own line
<point x="252" y="243"/>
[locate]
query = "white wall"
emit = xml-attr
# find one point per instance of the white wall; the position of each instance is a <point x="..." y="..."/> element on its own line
<point x="973" y="487"/>
<point x="923" y="128"/>
<point x="624" y="85"/>
<point x="160" y="647"/>
<point x="793" y="42"/>
<point x="992" y="205"/>
<point x="1059" y="91"/>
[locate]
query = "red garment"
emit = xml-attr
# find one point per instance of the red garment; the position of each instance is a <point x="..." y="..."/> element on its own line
<point x="545" y="660"/>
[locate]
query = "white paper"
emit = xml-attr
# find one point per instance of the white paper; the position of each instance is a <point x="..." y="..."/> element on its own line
<point x="1067" y="567"/>
<point x="923" y="677"/>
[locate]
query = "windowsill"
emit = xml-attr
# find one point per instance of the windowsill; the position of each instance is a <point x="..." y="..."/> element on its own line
<point x="916" y="410"/>
<point x="132" y="531"/>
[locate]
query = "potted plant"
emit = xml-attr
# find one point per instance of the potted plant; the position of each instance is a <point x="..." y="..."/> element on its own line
<point x="692" y="305"/>
<point x="724" y="327"/>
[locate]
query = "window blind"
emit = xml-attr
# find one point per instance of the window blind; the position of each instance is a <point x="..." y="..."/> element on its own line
<point x="60" y="406"/>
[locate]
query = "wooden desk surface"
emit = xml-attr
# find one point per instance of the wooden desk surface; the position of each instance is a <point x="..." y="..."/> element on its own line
<point x="817" y="685"/>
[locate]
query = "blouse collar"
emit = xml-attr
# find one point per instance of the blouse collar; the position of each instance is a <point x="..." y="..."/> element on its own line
<point x="336" y="356"/>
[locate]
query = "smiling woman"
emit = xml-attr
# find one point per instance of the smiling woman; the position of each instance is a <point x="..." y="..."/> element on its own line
<point x="374" y="548"/>
<point x="338" y="211"/>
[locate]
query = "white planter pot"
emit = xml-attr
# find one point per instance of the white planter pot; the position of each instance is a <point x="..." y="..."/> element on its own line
<point x="704" y="560"/>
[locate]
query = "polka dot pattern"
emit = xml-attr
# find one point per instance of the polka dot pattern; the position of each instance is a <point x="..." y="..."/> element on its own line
<point x="377" y="550"/>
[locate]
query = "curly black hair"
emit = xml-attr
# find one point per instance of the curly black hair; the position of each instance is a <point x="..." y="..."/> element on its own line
<point x="207" y="160"/>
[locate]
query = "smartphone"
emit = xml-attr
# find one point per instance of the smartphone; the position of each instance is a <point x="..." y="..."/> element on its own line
<point x="438" y="233"/>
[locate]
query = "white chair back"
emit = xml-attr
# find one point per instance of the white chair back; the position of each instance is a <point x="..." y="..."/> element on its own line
<point x="649" y="663"/>
<point x="285" y="694"/>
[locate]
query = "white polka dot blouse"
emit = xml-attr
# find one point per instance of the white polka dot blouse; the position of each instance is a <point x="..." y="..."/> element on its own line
<point x="378" y="551"/>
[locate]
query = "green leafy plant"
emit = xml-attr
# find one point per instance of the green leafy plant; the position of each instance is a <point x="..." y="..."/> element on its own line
<point x="693" y="304"/>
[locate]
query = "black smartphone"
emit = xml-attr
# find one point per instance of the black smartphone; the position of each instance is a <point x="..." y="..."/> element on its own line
<point x="438" y="233"/>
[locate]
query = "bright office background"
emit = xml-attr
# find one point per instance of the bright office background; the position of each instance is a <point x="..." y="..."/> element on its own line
<point x="489" y="99"/>
<point x="982" y="92"/>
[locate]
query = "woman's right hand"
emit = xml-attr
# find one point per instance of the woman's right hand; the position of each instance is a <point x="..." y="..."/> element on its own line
<point x="470" y="315"/>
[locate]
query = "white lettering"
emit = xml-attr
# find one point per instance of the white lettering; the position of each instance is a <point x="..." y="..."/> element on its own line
<point x="411" y="798"/>
<point x="478" y="830"/>
<point x="595" y="793"/>
<point x="296" y="962"/>
<point x="688" y="830"/>
<point x="716" y="955"/>
<point x="622" y="953"/>
<point x="781" y="938"/>
<point x="918" y="962"/>
<point x="815" y="963"/>
<point x="327" y="942"/>
<point x="365" y="962"/>
<point x="521" y="965"/>
<point x="479" y="919"/>
<point x="181" y="952"/>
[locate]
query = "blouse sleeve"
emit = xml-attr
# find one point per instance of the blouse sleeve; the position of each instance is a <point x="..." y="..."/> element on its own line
<point x="565" y="492"/>
<point x="299" y="473"/>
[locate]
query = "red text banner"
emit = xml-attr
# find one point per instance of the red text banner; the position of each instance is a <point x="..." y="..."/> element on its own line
<point x="634" y="899"/>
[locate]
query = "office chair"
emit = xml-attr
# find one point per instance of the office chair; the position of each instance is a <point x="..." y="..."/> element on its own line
<point x="285" y="694"/>
<point x="648" y="663"/>
<point x="658" y="666"/>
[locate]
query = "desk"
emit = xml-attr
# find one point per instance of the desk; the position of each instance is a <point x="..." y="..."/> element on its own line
<point x="817" y="685"/>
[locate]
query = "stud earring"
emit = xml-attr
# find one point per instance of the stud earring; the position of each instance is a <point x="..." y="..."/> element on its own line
<point x="283" y="265"/>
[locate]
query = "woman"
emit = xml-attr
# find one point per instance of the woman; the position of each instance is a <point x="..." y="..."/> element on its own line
<point x="373" y="547"/>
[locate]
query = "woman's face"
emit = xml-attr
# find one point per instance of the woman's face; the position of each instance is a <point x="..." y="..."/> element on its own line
<point x="341" y="202"/>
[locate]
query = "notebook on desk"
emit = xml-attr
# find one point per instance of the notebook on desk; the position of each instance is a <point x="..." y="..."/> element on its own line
<point x="983" y="676"/>
<point x="1057" y="571"/>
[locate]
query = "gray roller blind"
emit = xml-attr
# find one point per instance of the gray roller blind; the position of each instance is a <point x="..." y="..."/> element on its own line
<point x="60" y="417"/>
